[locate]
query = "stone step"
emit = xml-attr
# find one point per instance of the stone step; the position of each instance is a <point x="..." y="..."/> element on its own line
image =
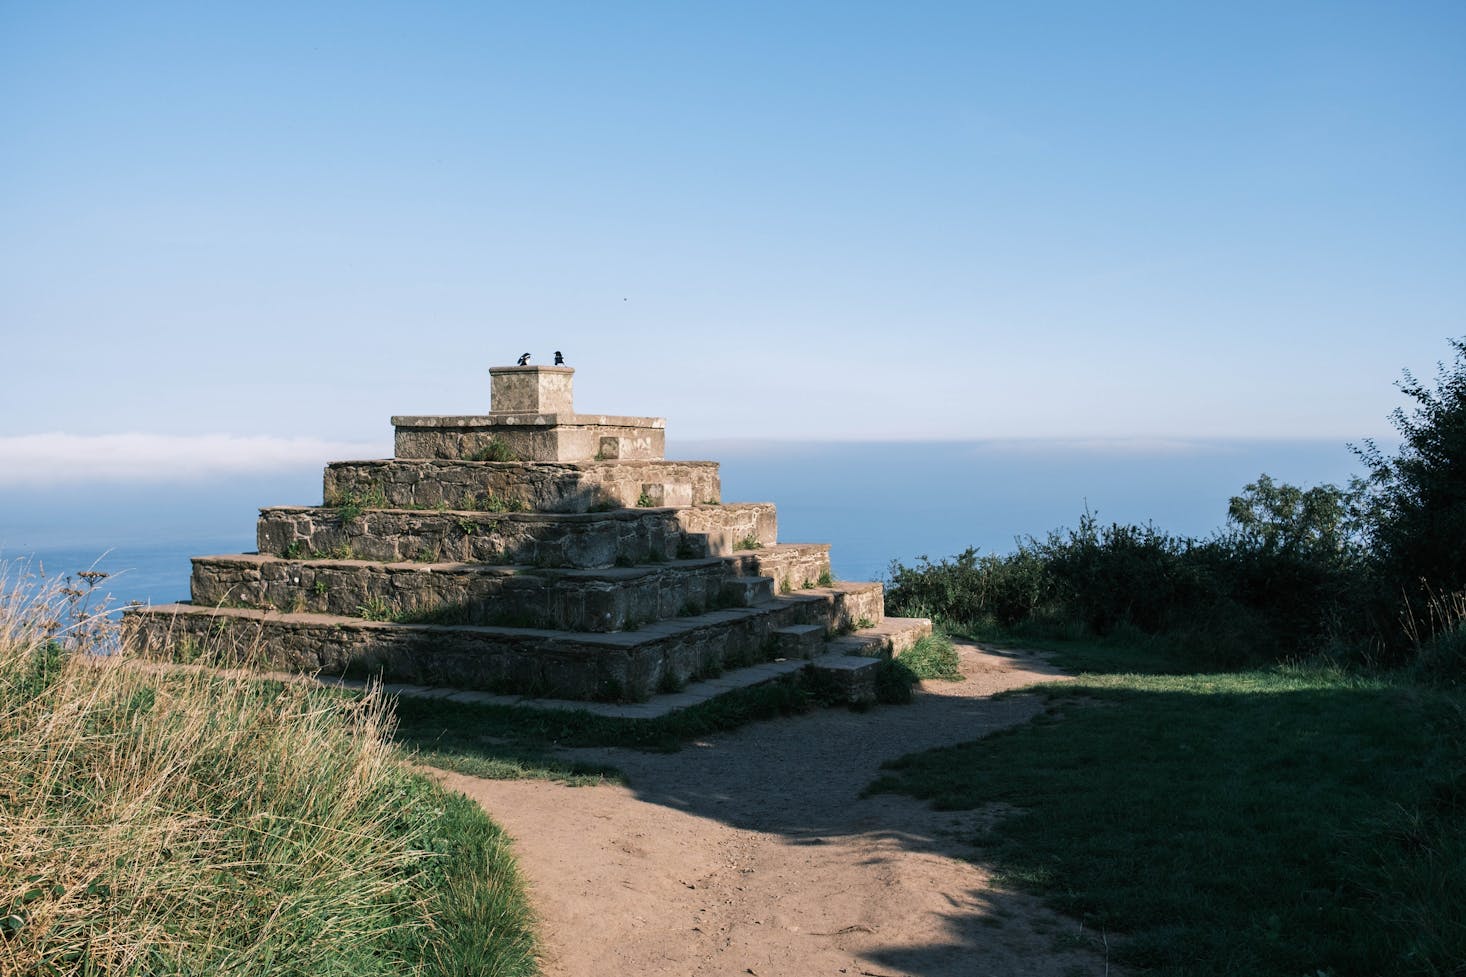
<point x="851" y="661"/>
<point x="853" y="675"/>
<point x="886" y="638"/>
<point x="747" y="591"/>
<point x="793" y="566"/>
<point x="615" y="666"/>
<point x="728" y="529"/>
<point x="585" y="540"/>
<point x="520" y="486"/>
<point x="610" y="599"/>
<point x="851" y="606"/>
<point x="800" y="641"/>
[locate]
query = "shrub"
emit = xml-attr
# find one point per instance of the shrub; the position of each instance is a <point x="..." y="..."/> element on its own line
<point x="969" y="588"/>
<point x="932" y="657"/>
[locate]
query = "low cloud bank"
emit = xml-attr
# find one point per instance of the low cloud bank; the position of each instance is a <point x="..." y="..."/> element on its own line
<point x="42" y="459"/>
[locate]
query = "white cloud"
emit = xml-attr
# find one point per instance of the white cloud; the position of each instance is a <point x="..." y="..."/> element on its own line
<point x="39" y="459"/>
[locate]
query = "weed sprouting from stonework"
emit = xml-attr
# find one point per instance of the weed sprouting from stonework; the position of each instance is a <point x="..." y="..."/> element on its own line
<point x="350" y="505"/>
<point x="488" y="502"/>
<point x="496" y="450"/>
<point x="377" y="609"/>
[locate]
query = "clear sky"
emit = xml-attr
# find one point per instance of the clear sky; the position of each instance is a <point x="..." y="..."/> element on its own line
<point x="263" y="221"/>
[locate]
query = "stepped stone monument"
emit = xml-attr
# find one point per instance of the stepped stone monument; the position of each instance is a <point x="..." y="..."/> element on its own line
<point x="531" y="551"/>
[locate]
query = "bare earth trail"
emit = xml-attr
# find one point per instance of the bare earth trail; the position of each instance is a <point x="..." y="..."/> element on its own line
<point x="752" y="852"/>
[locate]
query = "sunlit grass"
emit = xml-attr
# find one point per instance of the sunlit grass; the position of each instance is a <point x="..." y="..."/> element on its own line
<point x="183" y="821"/>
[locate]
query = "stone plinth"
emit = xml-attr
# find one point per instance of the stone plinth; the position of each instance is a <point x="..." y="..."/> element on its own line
<point x="531" y="437"/>
<point x="531" y="390"/>
<point x="531" y="419"/>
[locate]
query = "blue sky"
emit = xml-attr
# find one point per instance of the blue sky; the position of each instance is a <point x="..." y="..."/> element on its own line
<point x="247" y="230"/>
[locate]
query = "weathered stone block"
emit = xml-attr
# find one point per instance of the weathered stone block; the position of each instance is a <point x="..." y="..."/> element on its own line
<point x="793" y="566"/>
<point x="854" y="677"/>
<point x="531" y="390"/>
<point x="800" y="641"/>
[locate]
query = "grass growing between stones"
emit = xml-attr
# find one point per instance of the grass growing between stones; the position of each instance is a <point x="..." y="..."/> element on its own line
<point x="1279" y="821"/>
<point x="182" y="821"/>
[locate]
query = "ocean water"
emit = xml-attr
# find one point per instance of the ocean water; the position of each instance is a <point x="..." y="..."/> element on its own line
<point x="874" y="502"/>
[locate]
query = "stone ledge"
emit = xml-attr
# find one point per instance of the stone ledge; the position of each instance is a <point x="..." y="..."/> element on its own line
<point x="431" y="421"/>
<point x="531" y="436"/>
<point x="594" y="600"/>
<point x="581" y="539"/>
<point x="558" y="487"/>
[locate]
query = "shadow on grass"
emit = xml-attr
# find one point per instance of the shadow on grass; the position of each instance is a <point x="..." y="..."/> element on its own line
<point x="1278" y="821"/>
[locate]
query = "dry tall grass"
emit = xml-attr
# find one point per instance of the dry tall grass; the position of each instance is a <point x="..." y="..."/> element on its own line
<point x="183" y="822"/>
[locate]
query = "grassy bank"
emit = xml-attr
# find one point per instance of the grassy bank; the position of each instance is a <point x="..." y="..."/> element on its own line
<point x="1275" y="821"/>
<point x="183" y="822"/>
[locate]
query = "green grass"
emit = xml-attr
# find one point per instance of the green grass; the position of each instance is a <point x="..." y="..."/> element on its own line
<point x="932" y="657"/>
<point x="496" y="450"/>
<point x="1279" y="821"/>
<point x="481" y="922"/>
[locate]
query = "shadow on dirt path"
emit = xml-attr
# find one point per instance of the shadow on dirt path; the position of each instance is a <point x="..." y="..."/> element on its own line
<point x="752" y="852"/>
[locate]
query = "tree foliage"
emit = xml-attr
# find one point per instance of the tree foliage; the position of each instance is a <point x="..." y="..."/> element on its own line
<point x="1416" y="503"/>
<point x="1275" y="517"/>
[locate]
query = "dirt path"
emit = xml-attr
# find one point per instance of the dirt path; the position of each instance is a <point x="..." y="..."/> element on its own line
<point x="753" y="853"/>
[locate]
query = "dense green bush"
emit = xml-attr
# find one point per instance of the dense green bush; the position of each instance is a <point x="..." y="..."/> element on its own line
<point x="1002" y="590"/>
<point x="1248" y="594"/>
<point x="1295" y="571"/>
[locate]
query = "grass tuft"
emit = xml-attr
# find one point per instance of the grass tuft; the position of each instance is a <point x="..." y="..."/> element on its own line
<point x="932" y="657"/>
<point x="168" y="820"/>
<point x="496" y="450"/>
